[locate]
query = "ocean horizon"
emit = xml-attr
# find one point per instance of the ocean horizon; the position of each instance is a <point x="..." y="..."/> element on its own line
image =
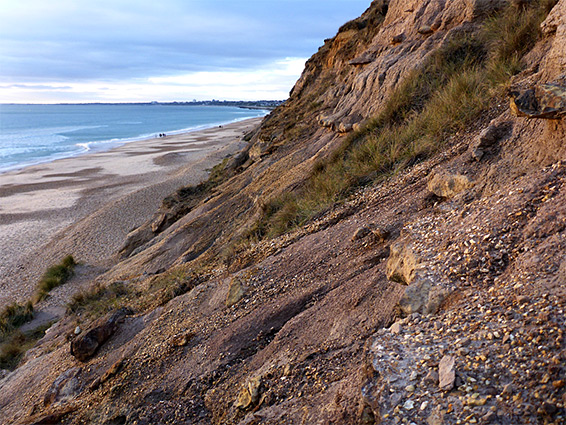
<point x="32" y="134"/>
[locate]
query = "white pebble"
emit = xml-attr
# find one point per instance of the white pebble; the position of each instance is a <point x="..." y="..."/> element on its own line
<point x="409" y="404"/>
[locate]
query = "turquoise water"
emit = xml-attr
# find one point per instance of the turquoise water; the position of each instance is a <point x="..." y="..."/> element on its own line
<point x="32" y="134"/>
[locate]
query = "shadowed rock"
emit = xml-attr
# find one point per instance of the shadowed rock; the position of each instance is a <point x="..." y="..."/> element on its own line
<point x="84" y="347"/>
<point x="488" y="138"/>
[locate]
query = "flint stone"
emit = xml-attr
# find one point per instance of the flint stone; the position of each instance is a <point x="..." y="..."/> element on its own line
<point x="436" y="417"/>
<point x="85" y="346"/>
<point x="447" y="373"/>
<point x="431" y="377"/>
<point x="361" y="233"/>
<point x="395" y="327"/>
<point x="249" y="395"/>
<point x="235" y="292"/>
<point x="397" y="39"/>
<point x="425" y="30"/>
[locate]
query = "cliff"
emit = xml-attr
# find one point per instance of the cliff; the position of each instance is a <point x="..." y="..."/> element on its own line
<point x="388" y="248"/>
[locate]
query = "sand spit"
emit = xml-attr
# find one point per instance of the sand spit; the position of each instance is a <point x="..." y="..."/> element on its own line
<point x="86" y="205"/>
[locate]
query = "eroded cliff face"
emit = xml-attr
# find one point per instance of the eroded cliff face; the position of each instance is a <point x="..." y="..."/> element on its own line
<point x="463" y="253"/>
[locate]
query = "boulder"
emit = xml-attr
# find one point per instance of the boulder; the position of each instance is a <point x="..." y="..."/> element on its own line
<point x="84" y="346"/>
<point x="415" y="298"/>
<point x="546" y="101"/>
<point x="421" y="297"/>
<point x="448" y="185"/>
<point x="401" y="264"/>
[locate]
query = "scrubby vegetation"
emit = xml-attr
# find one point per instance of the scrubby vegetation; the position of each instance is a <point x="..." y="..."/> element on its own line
<point x="15" y="346"/>
<point x="55" y="276"/>
<point x="13" y="316"/>
<point x="13" y="342"/>
<point x="99" y="299"/>
<point x="453" y="88"/>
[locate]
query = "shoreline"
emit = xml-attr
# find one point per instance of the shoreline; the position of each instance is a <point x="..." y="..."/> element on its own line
<point x="116" y="143"/>
<point x="85" y="205"/>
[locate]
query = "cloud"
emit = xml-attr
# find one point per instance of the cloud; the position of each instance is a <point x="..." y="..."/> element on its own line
<point x="125" y="41"/>
<point x="34" y="87"/>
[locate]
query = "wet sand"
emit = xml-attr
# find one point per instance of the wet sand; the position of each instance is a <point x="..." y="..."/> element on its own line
<point x="86" y="205"/>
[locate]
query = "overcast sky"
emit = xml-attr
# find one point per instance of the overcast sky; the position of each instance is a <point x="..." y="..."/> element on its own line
<point x="163" y="50"/>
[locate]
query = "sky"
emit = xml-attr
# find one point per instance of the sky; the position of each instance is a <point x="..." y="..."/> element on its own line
<point x="59" y="51"/>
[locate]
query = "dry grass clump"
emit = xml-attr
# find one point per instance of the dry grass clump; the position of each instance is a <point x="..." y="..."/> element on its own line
<point x="100" y="299"/>
<point x="446" y="95"/>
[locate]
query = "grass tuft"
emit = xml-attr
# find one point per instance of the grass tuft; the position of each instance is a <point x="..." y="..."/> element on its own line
<point x="55" y="276"/>
<point x="99" y="299"/>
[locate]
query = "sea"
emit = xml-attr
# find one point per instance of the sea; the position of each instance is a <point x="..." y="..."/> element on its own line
<point x="34" y="134"/>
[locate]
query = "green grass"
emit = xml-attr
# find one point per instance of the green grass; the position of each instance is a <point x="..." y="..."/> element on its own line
<point x="55" y="276"/>
<point x="447" y="94"/>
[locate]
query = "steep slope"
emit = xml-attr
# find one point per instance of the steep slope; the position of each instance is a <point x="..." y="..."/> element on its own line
<point x="463" y="251"/>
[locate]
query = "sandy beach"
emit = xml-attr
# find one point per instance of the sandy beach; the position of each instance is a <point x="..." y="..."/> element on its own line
<point x="86" y="205"/>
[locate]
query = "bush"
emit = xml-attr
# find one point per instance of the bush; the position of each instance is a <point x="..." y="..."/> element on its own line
<point x="55" y="276"/>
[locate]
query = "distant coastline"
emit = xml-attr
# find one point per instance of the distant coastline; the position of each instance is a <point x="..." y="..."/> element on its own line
<point x="244" y="104"/>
